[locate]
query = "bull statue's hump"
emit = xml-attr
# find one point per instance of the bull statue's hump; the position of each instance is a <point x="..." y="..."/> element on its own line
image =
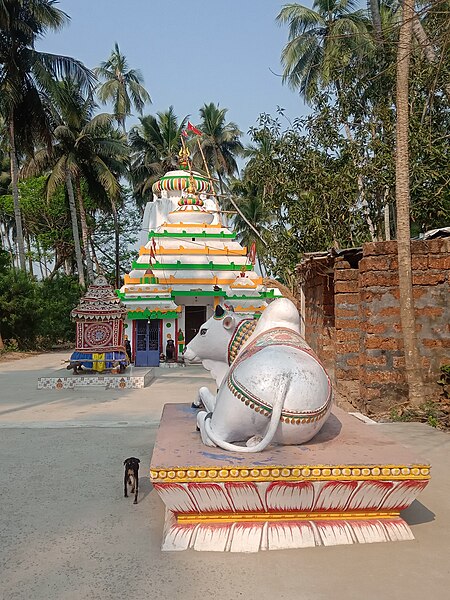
<point x="275" y="389"/>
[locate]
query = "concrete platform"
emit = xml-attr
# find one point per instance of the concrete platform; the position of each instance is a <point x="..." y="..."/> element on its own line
<point x="347" y="485"/>
<point x="67" y="533"/>
<point x="132" y="378"/>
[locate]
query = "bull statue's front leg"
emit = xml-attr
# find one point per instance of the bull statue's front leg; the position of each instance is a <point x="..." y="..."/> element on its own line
<point x="205" y="399"/>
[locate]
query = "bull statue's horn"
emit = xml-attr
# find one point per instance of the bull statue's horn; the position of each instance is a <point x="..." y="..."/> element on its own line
<point x="219" y="312"/>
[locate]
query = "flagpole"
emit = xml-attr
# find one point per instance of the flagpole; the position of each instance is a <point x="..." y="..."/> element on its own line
<point x="209" y="177"/>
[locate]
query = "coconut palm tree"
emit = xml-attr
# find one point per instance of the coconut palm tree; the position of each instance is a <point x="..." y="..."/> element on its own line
<point x="87" y="149"/>
<point x="155" y="145"/>
<point x="26" y="76"/>
<point x="122" y="86"/>
<point x="323" y="40"/>
<point x="220" y="143"/>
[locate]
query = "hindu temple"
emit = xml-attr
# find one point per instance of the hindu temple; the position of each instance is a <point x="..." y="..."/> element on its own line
<point x="190" y="262"/>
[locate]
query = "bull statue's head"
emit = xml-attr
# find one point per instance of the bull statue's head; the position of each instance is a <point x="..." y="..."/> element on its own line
<point x="211" y="342"/>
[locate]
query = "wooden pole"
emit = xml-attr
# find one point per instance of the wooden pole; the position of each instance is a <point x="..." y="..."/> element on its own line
<point x="209" y="175"/>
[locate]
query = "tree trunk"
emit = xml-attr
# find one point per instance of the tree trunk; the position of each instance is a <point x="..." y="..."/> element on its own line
<point x="15" y="193"/>
<point x="30" y="256"/>
<point x="75" y="231"/>
<point x="362" y="194"/>
<point x="374" y="9"/>
<point x="84" y="232"/>
<point x="95" y="260"/>
<point x="262" y="268"/>
<point x="6" y="242"/>
<point x="407" y="317"/>
<point x="387" y="219"/>
<point x="117" y="244"/>
<point x="2" y="345"/>
<point x="238" y="210"/>
<point x="8" y="246"/>
<point x="59" y="260"/>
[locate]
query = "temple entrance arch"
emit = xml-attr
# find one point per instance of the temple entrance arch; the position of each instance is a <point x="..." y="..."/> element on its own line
<point x="147" y="343"/>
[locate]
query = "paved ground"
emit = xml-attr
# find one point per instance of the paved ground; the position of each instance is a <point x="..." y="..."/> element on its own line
<point x="67" y="533"/>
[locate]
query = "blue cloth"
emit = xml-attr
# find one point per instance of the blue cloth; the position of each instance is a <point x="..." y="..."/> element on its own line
<point x="110" y="358"/>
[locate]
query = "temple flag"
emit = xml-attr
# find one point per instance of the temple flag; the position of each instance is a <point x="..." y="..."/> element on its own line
<point x="194" y="129"/>
<point x="152" y="250"/>
<point x="184" y="133"/>
<point x="252" y="253"/>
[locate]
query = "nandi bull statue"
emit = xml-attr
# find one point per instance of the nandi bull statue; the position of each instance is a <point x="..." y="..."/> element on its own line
<point x="272" y="388"/>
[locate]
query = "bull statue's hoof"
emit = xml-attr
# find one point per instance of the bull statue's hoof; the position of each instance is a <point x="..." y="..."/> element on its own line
<point x="254" y="441"/>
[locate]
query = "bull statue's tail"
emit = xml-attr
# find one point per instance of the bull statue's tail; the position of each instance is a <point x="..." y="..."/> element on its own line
<point x="271" y="430"/>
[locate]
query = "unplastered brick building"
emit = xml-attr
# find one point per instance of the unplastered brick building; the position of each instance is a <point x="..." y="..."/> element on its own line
<point x="351" y="319"/>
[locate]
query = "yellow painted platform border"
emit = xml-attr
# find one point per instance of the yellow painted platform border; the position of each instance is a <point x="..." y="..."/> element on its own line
<point x="294" y="473"/>
<point x="188" y="518"/>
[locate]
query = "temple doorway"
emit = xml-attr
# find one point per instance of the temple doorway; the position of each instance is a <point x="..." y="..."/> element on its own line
<point x="147" y="343"/>
<point x="194" y="317"/>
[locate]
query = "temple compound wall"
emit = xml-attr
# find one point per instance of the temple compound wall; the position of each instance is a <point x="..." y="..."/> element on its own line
<point x="352" y="319"/>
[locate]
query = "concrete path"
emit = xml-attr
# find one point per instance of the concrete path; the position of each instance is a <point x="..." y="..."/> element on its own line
<point x="66" y="532"/>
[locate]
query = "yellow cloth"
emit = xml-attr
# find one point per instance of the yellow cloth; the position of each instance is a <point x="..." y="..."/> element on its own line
<point x="98" y="362"/>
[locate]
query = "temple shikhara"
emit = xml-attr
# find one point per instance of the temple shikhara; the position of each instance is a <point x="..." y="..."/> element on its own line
<point x="190" y="263"/>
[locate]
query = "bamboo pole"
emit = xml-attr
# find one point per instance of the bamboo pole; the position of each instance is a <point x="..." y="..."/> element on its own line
<point x="209" y="174"/>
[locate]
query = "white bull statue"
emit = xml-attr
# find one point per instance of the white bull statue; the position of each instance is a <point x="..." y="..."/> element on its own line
<point x="272" y="386"/>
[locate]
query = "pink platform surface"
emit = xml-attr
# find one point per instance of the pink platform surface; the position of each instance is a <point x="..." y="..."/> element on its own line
<point x="343" y="440"/>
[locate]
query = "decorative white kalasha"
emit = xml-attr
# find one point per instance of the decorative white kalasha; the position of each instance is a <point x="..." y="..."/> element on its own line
<point x="275" y="390"/>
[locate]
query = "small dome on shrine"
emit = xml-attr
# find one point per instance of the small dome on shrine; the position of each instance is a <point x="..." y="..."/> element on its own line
<point x="243" y="282"/>
<point x="190" y="208"/>
<point x="179" y="181"/>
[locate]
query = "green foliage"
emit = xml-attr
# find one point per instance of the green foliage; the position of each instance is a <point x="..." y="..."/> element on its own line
<point x="122" y="85"/>
<point x="327" y="180"/>
<point x="4" y="261"/>
<point x="58" y="297"/>
<point x="306" y="176"/>
<point x="130" y="223"/>
<point x="323" y="40"/>
<point x="46" y="220"/>
<point x="20" y="308"/>
<point x="36" y="314"/>
<point x="444" y="381"/>
<point x="220" y="142"/>
<point x="429" y="412"/>
<point x="155" y="144"/>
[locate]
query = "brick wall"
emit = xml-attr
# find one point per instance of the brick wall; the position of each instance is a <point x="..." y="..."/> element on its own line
<point x="319" y="315"/>
<point x="382" y="366"/>
<point x="347" y="332"/>
<point x="364" y="349"/>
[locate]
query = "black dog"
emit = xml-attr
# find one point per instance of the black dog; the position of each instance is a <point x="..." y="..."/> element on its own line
<point x="131" y="477"/>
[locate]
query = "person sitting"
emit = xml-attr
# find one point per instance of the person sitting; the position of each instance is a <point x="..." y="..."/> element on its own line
<point x="128" y="348"/>
<point x="170" y="348"/>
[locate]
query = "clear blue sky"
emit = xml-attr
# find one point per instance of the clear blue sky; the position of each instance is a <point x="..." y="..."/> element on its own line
<point x="189" y="53"/>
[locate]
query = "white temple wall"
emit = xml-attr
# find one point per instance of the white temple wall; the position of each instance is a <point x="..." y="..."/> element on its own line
<point x="196" y="259"/>
<point x="156" y="212"/>
<point x="196" y="243"/>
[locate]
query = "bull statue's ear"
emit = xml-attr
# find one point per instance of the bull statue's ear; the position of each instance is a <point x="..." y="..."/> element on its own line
<point x="219" y="313"/>
<point x="229" y="322"/>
